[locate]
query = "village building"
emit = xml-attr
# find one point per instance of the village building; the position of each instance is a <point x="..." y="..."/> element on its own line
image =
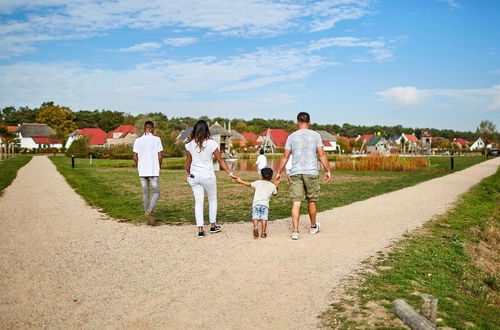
<point x="425" y="143"/>
<point x="97" y="137"/>
<point x="478" y="144"/>
<point x="408" y="143"/>
<point x="237" y="139"/>
<point x="459" y="143"/>
<point x="272" y="138"/>
<point x="35" y="135"/>
<point x="378" y="144"/>
<point x="221" y="136"/>
<point x="184" y="135"/>
<point x="11" y="129"/>
<point x="122" y="135"/>
<point x="250" y="139"/>
<point x="329" y="141"/>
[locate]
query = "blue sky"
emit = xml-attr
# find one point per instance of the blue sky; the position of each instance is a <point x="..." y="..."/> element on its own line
<point x="418" y="63"/>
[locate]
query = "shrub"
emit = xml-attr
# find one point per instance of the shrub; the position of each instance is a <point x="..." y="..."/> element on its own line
<point x="80" y="148"/>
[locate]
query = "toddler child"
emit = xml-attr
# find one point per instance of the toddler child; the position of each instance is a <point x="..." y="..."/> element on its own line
<point x="260" y="208"/>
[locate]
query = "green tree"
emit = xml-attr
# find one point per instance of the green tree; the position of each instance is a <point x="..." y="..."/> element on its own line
<point x="60" y="118"/>
<point x="109" y="120"/>
<point x="487" y="130"/>
<point x="87" y="118"/>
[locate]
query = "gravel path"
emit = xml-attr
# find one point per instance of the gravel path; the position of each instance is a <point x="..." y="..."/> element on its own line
<point x="63" y="266"/>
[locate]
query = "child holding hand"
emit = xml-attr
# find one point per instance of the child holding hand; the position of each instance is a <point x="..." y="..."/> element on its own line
<point x="264" y="189"/>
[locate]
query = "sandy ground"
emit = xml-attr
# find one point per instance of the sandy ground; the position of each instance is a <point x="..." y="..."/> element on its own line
<point x="63" y="266"/>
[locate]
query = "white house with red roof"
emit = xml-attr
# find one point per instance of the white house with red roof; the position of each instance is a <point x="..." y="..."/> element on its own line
<point x="272" y="138"/>
<point x="478" y="144"/>
<point x="329" y="141"/>
<point x="460" y="143"/>
<point x="122" y="135"/>
<point x="365" y="137"/>
<point x="97" y="137"/>
<point x="35" y="135"/>
<point x="408" y="142"/>
<point x="249" y="137"/>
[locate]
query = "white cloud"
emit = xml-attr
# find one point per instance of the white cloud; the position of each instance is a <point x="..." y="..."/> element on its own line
<point x="179" y="42"/>
<point x="452" y="3"/>
<point x="402" y="96"/>
<point x="57" y="19"/>
<point x="379" y="51"/>
<point x="482" y="99"/>
<point x="142" y="47"/>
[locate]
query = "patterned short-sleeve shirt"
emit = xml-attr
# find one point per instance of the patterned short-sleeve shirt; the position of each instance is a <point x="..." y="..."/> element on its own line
<point x="304" y="144"/>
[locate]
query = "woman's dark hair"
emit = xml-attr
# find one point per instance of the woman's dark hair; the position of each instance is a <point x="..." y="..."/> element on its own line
<point x="267" y="173"/>
<point x="200" y="133"/>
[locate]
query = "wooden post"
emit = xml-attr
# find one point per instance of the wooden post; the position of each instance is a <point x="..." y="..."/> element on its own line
<point x="410" y="317"/>
<point x="429" y="307"/>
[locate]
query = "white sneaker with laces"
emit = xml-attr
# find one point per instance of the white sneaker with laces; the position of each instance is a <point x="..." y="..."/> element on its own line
<point x="295" y="235"/>
<point x="314" y="230"/>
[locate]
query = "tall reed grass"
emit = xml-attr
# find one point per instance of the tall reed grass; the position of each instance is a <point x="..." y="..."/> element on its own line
<point x="378" y="162"/>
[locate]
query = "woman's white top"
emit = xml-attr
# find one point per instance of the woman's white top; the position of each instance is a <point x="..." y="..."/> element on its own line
<point x="202" y="164"/>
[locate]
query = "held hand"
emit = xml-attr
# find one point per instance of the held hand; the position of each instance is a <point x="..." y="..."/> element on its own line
<point x="328" y="177"/>
<point x="233" y="176"/>
<point x="278" y="177"/>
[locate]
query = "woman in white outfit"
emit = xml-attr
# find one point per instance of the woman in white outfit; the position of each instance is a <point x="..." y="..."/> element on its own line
<point x="201" y="176"/>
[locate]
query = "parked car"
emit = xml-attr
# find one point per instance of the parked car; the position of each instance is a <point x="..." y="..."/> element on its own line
<point x="493" y="152"/>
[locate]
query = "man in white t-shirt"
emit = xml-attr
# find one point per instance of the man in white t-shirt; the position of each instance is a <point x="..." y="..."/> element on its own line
<point x="261" y="161"/>
<point x="147" y="157"/>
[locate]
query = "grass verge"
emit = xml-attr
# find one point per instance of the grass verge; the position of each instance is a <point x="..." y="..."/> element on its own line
<point x="454" y="257"/>
<point x="9" y="168"/>
<point x="117" y="190"/>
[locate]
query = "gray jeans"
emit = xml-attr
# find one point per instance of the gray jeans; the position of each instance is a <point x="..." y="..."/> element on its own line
<point x="155" y="187"/>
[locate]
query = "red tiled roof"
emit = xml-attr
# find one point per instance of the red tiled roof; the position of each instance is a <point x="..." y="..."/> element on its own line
<point x="45" y="140"/>
<point x="278" y="136"/>
<point x="250" y="136"/>
<point x="460" y="140"/>
<point x="366" y="137"/>
<point x="97" y="135"/>
<point x="411" y="138"/>
<point x="345" y="138"/>
<point x="124" y="129"/>
<point x="12" y="128"/>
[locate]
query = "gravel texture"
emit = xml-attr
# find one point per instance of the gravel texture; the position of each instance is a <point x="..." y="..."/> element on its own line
<point x="64" y="265"/>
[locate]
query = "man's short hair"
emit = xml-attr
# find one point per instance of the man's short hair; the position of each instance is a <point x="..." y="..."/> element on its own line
<point x="303" y="117"/>
<point x="261" y="151"/>
<point x="149" y="124"/>
<point x="267" y="173"/>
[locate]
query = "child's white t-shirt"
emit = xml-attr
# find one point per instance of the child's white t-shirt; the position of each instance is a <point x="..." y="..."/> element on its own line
<point x="263" y="191"/>
<point x="147" y="148"/>
<point x="202" y="164"/>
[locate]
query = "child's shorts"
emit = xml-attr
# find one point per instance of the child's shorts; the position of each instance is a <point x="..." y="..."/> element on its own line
<point x="260" y="212"/>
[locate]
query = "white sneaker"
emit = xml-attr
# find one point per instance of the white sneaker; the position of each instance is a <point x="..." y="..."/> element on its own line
<point x="295" y="235"/>
<point x="314" y="230"/>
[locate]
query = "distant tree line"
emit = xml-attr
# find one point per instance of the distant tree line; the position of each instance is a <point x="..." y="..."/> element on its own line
<point x="64" y="121"/>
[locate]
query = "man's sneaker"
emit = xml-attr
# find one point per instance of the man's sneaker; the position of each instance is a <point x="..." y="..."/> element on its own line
<point x="215" y="229"/>
<point x="314" y="230"/>
<point x="201" y="234"/>
<point x="149" y="218"/>
<point x="295" y="235"/>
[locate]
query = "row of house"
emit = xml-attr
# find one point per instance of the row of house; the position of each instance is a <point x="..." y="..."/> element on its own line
<point x="36" y="135"/>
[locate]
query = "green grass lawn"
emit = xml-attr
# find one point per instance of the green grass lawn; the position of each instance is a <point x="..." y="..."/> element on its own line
<point x="117" y="190"/>
<point x="455" y="258"/>
<point x="9" y="168"/>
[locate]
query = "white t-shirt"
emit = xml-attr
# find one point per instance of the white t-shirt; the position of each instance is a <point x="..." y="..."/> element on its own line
<point x="263" y="191"/>
<point x="202" y="163"/>
<point x="288" y="165"/>
<point x="304" y="144"/>
<point x="147" y="148"/>
<point x="261" y="162"/>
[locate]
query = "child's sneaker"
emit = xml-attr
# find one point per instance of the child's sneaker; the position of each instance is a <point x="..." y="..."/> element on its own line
<point x="255" y="232"/>
<point x="201" y="234"/>
<point x="295" y="235"/>
<point x="215" y="229"/>
<point x="314" y="230"/>
<point x="149" y="218"/>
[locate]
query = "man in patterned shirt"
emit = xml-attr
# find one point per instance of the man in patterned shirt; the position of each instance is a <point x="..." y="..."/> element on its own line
<point x="305" y="146"/>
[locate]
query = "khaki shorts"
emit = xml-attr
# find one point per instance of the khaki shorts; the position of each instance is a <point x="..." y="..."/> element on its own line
<point x="304" y="187"/>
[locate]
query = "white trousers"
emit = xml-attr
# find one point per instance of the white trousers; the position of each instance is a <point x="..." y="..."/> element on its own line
<point x="200" y="185"/>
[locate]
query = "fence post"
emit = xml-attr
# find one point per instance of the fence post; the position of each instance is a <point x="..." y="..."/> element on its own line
<point x="72" y="161"/>
<point x="90" y="159"/>
<point x="452" y="161"/>
<point x="428" y="308"/>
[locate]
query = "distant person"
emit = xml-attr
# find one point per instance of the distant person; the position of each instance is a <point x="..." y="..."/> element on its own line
<point x="147" y="158"/>
<point x="264" y="189"/>
<point x="261" y="161"/>
<point x="305" y="146"/>
<point x="201" y="176"/>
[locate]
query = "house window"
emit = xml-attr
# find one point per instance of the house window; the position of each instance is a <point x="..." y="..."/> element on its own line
<point x="117" y="135"/>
